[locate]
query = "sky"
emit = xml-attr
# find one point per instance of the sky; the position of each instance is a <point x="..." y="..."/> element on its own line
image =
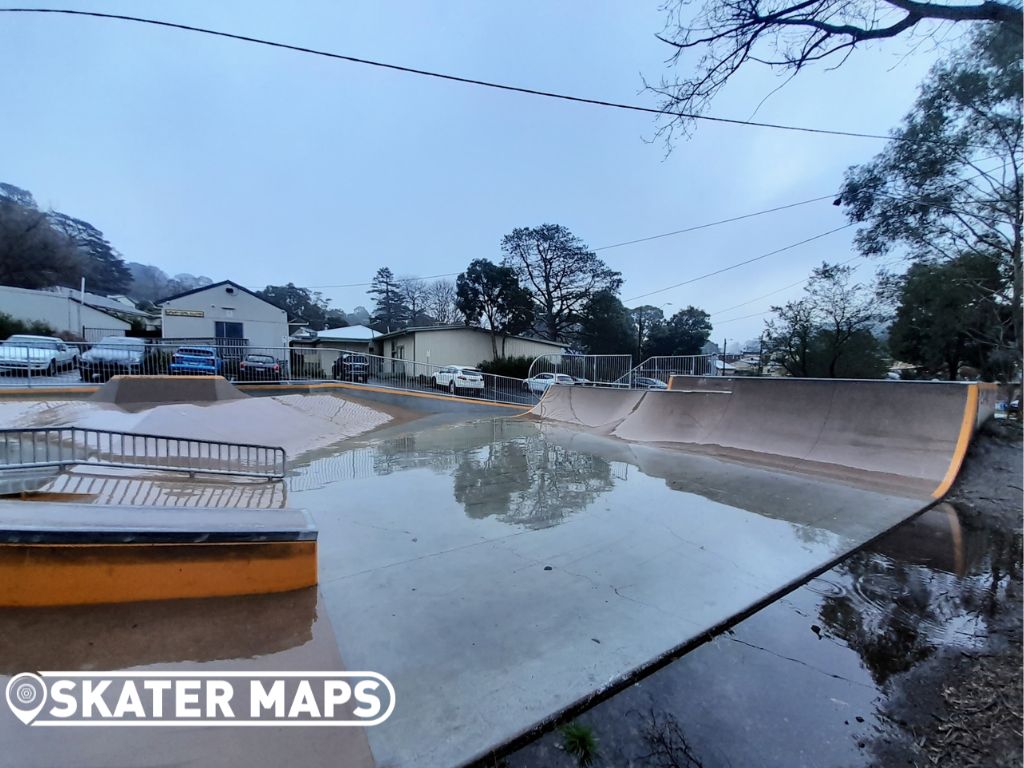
<point x="263" y="166"/>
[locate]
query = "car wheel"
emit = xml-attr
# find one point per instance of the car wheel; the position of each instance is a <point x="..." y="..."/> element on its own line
<point x="451" y="387"/>
<point x="51" y="369"/>
<point x="74" y="362"/>
<point x="83" y="375"/>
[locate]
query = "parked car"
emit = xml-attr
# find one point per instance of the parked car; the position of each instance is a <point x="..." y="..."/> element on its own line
<point x="114" y="356"/>
<point x="192" y="361"/>
<point x="582" y="381"/>
<point x="539" y="384"/>
<point x="256" y="367"/>
<point x="42" y="355"/>
<point x="351" y="366"/>
<point x="644" y="382"/>
<point x="456" y="377"/>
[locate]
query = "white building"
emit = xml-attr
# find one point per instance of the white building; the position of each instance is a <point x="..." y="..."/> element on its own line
<point x="458" y="345"/>
<point x="62" y="310"/>
<point x="224" y="310"/>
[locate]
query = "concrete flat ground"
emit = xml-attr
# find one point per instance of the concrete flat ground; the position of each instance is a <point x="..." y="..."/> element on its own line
<point x="498" y="572"/>
<point x="502" y="571"/>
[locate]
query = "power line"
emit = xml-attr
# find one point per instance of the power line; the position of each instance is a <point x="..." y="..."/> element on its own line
<point x="716" y="223"/>
<point x="459" y="79"/>
<point x="778" y="290"/>
<point x="742" y="263"/>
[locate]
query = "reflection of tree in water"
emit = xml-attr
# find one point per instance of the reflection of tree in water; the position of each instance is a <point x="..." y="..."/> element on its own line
<point x="897" y="612"/>
<point x="529" y="481"/>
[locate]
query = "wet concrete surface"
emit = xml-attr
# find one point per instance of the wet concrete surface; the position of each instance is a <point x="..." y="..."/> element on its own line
<point x="907" y="653"/>
<point x="501" y="571"/>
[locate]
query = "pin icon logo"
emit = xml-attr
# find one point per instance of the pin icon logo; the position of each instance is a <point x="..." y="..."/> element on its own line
<point x="26" y="695"/>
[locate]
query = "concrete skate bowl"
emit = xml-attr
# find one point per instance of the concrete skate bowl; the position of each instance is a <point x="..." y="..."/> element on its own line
<point x="134" y="390"/>
<point x="907" y="438"/>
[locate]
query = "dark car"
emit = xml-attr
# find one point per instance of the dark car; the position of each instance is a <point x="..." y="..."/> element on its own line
<point x="257" y="367"/>
<point x="351" y="366"/>
<point x="116" y="356"/>
<point x="191" y="361"/>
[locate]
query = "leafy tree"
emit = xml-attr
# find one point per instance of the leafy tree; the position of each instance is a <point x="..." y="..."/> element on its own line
<point x="389" y="312"/>
<point x="946" y="312"/>
<point x="560" y="272"/>
<point x="102" y="267"/>
<point x="440" y="302"/>
<point x="606" y="327"/>
<point x="828" y="333"/>
<point x="492" y="292"/>
<point x="683" y="334"/>
<point x="647" y="320"/>
<point x="32" y="253"/>
<point x="790" y="35"/>
<point x="303" y="304"/>
<point x="949" y="184"/>
<point x="150" y="284"/>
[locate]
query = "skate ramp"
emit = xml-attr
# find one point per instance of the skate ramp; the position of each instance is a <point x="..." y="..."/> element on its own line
<point x="130" y="390"/>
<point x="902" y="436"/>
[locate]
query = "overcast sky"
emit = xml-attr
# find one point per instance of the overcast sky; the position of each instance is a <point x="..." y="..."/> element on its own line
<point x="240" y="162"/>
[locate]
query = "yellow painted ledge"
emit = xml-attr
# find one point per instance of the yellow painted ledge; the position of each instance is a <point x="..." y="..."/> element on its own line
<point x="80" y="574"/>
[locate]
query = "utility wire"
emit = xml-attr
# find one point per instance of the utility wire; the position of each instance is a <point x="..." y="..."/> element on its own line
<point x="716" y="223"/>
<point x="742" y="263"/>
<point x="458" y="79"/>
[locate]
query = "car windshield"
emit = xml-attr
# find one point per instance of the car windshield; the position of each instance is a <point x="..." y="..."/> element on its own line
<point x="30" y="341"/>
<point x="194" y="352"/>
<point x="356" y="359"/>
<point x="470" y="371"/>
<point x="260" y="359"/>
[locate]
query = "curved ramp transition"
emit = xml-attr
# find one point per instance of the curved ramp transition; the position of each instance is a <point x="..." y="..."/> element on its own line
<point x="906" y="436"/>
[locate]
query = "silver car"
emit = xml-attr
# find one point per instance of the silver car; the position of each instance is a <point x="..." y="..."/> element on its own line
<point x="39" y="355"/>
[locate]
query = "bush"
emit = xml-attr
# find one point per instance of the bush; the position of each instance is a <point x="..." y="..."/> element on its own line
<point x="10" y="326"/>
<point x="515" y="367"/>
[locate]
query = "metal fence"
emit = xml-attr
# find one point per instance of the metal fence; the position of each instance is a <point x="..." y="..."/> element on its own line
<point x="664" y="367"/>
<point x="65" y="363"/>
<point x="67" y="446"/>
<point x="589" y="370"/>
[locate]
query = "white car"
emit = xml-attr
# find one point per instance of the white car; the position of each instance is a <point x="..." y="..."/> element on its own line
<point x="456" y="377"/>
<point x="539" y="384"/>
<point x="41" y="355"/>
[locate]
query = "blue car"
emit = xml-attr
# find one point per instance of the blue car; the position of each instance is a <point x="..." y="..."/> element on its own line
<point x="196" y="361"/>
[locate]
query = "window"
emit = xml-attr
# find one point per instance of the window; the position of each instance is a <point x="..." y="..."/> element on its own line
<point x="223" y="330"/>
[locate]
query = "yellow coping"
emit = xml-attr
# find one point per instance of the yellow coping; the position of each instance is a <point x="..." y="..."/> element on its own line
<point x="80" y="574"/>
<point x="963" y="440"/>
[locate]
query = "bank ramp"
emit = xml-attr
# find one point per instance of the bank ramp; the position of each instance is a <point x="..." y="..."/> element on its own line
<point x="905" y="437"/>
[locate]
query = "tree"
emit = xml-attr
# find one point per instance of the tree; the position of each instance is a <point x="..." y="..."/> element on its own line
<point x="414" y="296"/>
<point x="440" y="302"/>
<point x="949" y="184"/>
<point x="32" y="253"/>
<point x="559" y="271"/>
<point x="828" y="333"/>
<point x="646" y="320"/>
<point x="491" y="292"/>
<point x="98" y="262"/>
<point x="789" y="35"/>
<point x="389" y="312"/>
<point x="946" y="313"/>
<point x="606" y="327"/>
<point x="300" y="303"/>
<point x="682" y="334"/>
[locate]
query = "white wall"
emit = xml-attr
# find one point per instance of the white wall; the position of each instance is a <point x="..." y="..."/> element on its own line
<point x="459" y="346"/>
<point x="59" y="312"/>
<point x="263" y="324"/>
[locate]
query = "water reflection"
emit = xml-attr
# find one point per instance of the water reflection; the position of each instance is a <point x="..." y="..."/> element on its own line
<point x="895" y="603"/>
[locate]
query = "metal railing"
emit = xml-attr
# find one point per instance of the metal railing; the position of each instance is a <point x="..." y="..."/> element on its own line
<point x="588" y="370"/>
<point x="67" y="446"/>
<point x="662" y="368"/>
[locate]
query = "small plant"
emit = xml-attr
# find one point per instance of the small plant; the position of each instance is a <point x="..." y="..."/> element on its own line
<point x="580" y="742"/>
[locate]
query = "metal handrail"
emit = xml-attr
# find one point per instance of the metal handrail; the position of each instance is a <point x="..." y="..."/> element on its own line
<point x="65" y="446"/>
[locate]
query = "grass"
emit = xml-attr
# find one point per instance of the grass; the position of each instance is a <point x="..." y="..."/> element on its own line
<point x="580" y="742"/>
